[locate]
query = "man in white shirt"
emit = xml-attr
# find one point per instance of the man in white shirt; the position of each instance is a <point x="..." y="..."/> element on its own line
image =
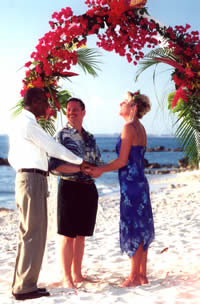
<point x="29" y="146"/>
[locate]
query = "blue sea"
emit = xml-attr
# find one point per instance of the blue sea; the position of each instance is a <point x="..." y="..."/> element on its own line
<point x="108" y="182"/>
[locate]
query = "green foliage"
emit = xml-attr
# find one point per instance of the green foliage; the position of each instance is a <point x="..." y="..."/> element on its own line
<point x="63" y="96"/>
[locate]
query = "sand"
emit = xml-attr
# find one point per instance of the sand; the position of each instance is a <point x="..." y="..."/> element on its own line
<point x="173" y="261"/>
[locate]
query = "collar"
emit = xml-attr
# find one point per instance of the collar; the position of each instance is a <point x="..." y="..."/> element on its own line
<point x="28" y="114"/>
<point x="86" y="135"/>
<point x="71" y="128"/>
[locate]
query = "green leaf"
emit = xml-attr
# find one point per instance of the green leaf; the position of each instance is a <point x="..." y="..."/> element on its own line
<point x="63" y="96"/>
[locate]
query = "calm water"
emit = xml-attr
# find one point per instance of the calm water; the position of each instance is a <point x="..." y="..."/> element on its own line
<point x="107" y="183"/>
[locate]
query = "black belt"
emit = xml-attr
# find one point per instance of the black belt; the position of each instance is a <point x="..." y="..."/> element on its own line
<point x="45" y="173"/>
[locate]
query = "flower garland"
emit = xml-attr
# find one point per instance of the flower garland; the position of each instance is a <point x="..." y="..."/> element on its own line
<point x="118" y="27"/>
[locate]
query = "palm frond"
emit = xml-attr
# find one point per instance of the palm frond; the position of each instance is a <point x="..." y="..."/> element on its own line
<point x="88" y="60"/>
<point x="150" y="59"/>
<point x="48" y="125"/>
<point x="188" y="132"/>
<point x="17" y="108"/>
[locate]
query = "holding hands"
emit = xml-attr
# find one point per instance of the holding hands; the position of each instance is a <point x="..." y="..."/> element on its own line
<point x="90" y="169"/>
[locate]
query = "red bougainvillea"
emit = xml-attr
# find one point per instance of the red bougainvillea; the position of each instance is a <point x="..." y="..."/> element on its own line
<point x="119" y="26"/>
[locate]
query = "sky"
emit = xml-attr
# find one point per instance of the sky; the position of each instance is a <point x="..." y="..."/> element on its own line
<point x="23" y="22"/>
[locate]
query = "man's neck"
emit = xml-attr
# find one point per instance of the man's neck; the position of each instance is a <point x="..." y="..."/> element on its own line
<point x="77" y="126"/>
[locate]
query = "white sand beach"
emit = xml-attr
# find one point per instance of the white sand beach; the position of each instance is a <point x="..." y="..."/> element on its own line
<point x="173" y="262"/>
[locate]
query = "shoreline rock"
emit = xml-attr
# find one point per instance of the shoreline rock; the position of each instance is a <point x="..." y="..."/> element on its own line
<point x="150" y="168"/>
<point x="4" y="162"/>
<point x="165" y="171"/>
<point x="155" y="149"/>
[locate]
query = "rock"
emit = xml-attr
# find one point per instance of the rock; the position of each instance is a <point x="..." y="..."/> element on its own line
<point x="154" y="166"/>
<point x="4" y="162"/>
<point x="183" y="162"/>
<point x="146" y="163"/>
<point x="159" y="148"/>
<point x="163" y="149"/>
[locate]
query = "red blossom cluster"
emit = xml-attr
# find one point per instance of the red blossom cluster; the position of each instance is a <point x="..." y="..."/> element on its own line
<point x="186" y="51"/>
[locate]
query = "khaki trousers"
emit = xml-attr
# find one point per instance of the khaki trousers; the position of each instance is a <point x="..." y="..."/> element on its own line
<point x="31" y="198"/>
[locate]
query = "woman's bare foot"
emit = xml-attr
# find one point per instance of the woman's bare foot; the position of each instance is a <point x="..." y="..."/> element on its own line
<point x="143" y="280"/>
<point x="131" y="282"/>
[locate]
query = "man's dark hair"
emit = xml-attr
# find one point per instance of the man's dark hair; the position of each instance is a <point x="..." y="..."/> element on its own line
<point x="76" y="100"/>
<point x="32" y="93"/>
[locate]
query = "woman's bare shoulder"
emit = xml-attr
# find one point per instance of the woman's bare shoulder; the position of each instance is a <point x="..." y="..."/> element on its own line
<point x="128" y="129"/>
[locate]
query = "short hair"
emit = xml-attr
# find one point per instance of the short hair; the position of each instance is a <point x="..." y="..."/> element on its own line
<point x="32" y="93"/>
<point x="76" y="100"/>
<point x="142" y="102"/>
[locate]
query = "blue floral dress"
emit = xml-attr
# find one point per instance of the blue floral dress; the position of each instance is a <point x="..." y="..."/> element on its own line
<point x="136" y="219"/>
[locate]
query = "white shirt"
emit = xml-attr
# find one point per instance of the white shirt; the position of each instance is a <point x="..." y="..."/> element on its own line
<point x="30" y="144"/>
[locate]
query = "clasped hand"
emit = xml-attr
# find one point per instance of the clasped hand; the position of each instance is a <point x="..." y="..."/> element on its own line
<point x="90" y="169"/>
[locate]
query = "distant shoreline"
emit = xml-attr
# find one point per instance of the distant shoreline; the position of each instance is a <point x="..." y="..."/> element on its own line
<point x="150" y="168"/>
<point x="115" y="135"/>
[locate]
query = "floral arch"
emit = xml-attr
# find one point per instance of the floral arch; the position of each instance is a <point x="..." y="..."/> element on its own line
<point x="125" y="27"/>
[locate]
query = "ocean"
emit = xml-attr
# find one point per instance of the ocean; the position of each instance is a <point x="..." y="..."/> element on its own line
<point x="108" y="182"/>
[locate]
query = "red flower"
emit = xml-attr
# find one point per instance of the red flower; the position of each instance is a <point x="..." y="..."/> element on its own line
<point x="180" y="93"/>
<point x="189" y="73"/>
<point x="69" y="74"/>
<point x="27" y="64"/>
<point x="50" y="112"/>
<point x="38" y="82"/>
<point x="38" y="69"/>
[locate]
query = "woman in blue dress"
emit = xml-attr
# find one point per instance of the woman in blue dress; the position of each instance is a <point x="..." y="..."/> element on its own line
<point x="136" y="219"/>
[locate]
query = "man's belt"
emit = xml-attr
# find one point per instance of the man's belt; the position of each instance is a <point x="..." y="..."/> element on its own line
<point x="45" y="173"/>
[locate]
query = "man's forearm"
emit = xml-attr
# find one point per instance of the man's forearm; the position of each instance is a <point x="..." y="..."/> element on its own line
<point x="53" y="149"/>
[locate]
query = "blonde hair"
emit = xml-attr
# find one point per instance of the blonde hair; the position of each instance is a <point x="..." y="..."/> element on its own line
<point x="142" y="102"/>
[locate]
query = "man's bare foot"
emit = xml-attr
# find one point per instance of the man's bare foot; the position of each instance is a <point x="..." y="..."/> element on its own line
<point x="67" y="283"/>
<point x="131" y="283"/>
<point x="83" y="279"/>
<point x="56" y="284"/>
<point x="143" y="280"/>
